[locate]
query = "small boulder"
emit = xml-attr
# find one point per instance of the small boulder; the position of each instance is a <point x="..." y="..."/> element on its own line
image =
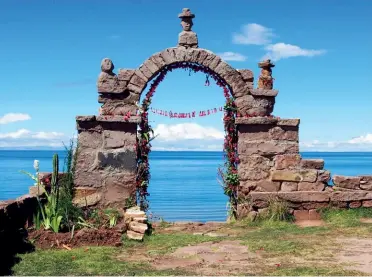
<point x="134" y="236"/>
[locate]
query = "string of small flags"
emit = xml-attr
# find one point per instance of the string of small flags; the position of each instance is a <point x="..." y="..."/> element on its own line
<point x="172" y="114"/>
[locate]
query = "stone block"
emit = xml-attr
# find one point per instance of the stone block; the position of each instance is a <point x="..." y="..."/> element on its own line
<point x="90" y="139"/>
<point x="267" y="148"/>
<point x="134" y="88"/>
<point x="243" y="210"/>
<point x="347" y="182"/>
<point x="215" y="62"/>
<point x="257" y="132"/>
<point x="135" y="236"/>
<point x="255" y="105"/>
<point x="108" y="83"/>
<point x="247" y="75"/>
<point x="87" y="201"/>
<point x="367" y="203"/>
<point x="366" y="182"/>
<point x="120" y="107"/>
<point x="134" y="212"/>
<point x="289" y="161"/>
<point x="343" y="196"/>
<point x="355" y="204"/>
<point x="145" y="71"/>
<point x="301" y="215"/>
<point x="80" y="192"/>
<point x="124" y="123"/>
<point x="138" y="227"/>
<point x="158" y="60"/>
<point x="188" y="39"/>
<point x="118" y="139"/>
<point x="312" y="163"/>
<point x="289" y="186"/>
<point x="246" y="122"/>
<point x="289" y="122"/>
<point x="87" y="179"/>
<point x="239" y="88"/>
<point x="152" y="67"/>
<point x="294" y="176"/>
<point x="314" y="215"/>
<point x="35" y="191"/>
<point x="305" y="196"/>
<point x="137" y="81"/>
<point x="125" y="74"/>
<point x="118" y="187"/>
<point x="117" y="159"/>
<point x="324" y="176"/>
<point x="307" y="186"/>
<point x="254" y="167"/>
<point x="284" y="133"/>
<point x="267" y="186"/>
<point x="85" y="160"/>
<point x="314" y="205"/>
<point x="264" y="92"/>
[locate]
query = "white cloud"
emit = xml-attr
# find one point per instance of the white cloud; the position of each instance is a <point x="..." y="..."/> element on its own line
<point x="27" y="138"/>
<point x="187" y="137"/>
<point x="253" y="33"/>
<point x="361" y="139"/>
<point x="14" y="117"/>
<point x="361" y="143"/>
<point x="15" y="135"/>
<point x="231" y="56"/>
<point x="282" y="50"/>
<point x="186" y="131"/>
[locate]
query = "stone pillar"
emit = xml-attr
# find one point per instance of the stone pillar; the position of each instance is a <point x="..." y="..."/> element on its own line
<point x="187" y="38"/>
<point x="106" y="160"/>
<point x="265" y="80"/>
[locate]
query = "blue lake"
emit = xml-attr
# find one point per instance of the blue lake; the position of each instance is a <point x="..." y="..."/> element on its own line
<point x="184" y="185"/>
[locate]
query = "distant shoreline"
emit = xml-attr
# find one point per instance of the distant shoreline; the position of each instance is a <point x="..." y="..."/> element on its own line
<point x="189" y="150"/>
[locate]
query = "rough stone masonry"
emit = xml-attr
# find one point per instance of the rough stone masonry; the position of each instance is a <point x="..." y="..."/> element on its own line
<point x="270" y="166"/>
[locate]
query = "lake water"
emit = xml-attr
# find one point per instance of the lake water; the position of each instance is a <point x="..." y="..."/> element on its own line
<point x="184" y="185"/>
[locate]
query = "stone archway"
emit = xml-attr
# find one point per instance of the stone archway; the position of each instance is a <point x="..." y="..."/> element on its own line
<point x="106" y="164"/>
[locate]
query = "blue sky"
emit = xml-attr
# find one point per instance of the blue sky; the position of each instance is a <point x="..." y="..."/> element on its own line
<point x="51" y="52"/>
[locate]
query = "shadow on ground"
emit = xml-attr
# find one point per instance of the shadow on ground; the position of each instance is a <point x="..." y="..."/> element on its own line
<point x="12" y="242"/>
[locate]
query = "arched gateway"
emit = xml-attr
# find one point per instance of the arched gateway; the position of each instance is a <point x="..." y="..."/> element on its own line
<point x="267" y="150"/>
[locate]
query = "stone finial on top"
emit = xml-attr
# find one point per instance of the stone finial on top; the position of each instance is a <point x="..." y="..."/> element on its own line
<point x="107" y="81"/>
<point x="107" y="65"/>
<point x="266" y="81"/>
<point x="187" y="38"/>
<point x="186" y="13"/>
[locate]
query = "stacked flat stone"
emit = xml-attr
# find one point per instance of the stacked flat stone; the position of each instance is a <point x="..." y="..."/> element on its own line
<point x="136" y="221"/>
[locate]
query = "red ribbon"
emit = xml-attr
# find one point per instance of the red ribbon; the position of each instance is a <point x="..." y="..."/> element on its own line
<point x="172" y="114"/>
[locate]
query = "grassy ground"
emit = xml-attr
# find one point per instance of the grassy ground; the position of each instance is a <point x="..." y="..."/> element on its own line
<point x="275" y="248"/>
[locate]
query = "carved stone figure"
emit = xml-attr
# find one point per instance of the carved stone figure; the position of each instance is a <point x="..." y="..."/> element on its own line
<point x="265" y="80"/>
<point x="187" y="38"/>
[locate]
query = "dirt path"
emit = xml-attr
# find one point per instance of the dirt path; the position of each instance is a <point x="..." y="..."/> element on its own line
<point x="231" y="256"/>
<point x="357" y="253"/>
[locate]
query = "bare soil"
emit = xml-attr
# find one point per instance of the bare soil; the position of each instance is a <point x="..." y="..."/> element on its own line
<point x="84" y="237"/>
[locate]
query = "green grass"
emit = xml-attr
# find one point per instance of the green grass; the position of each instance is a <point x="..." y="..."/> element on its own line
<point x="280" y="237"/>
<point x="94" y="261"/>
<point x="345" y="218"/>
<point x="314" y="271"/>
<point x="278" y="241"/>
<point x="166" y="243"/>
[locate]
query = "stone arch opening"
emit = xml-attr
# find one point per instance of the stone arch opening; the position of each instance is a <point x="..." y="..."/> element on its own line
<point x="229" y="175"/>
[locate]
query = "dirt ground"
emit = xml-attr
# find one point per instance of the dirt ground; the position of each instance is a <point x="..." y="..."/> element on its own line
<point x="85" y="237"/>
<point x="310" y="248"/>
<point x="232" y="256"/>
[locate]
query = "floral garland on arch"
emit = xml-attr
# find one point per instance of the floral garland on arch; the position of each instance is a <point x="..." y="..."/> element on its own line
<point x="145" y="135"/>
